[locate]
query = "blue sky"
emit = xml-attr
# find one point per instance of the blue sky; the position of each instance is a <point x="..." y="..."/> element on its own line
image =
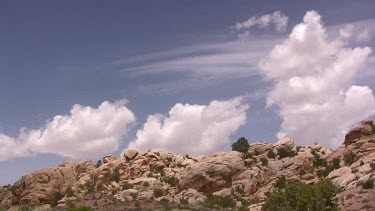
<point x="154" y="54"/>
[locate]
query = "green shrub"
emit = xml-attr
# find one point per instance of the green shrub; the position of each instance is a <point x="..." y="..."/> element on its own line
<point x="373" y="129"/>
<point x="362" y="163"/>
<point x="168" y="159"/>
<point x="134" y="196"/>
<point x="300" y="196"/>
<point x="369" y="184"/>
<point x="98" y="164"/>
<point x="248" y="155"/>
<point x="173" y="181"/>
<point x="349" y="158"/>
<point x="271" y="154"/>
<point x="80" y="208"/>
<point x="158" y="192"/>
<point x="91" y="183"/>
<point x="69" y="191"/>
<point x="264" y="161"/>
<point x="319" y="161"/>
<point x="298" y="148"/>
<point x="127" y="186"/>
<point x="372" y="165"/>
<point x="116" y="175"/>
<point x="336" y="163"/>
<point x="283" y="153"/>
<point x="5" y="205"/>
<point x="146" y="184"/>
<point x="213" y="201"/>
<point x="241" y="145"/>
<point x="280" y="182"/>
<point x="24" y="207"/>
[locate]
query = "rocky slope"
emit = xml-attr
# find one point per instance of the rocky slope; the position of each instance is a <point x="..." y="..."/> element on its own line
<point x="152" y="178"/>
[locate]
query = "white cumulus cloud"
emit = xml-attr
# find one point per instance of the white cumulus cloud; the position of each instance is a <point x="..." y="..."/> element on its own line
<point x="277" y="19"/>
<point x="364" y="36"/>
<point x="314" y="83"/>
<point x="193" y="129"/>
<point x="83" y="134"/>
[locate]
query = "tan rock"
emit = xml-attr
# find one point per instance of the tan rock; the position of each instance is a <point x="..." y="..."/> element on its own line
<point x="356" y="133"/>
<point x="130" y="154"/>
<point x="212" y="172"/>
<point x="286" y="143"/>
<point x="108" y="158"/>
<point x="192" y="196"/>
<point x="260" y="148"/>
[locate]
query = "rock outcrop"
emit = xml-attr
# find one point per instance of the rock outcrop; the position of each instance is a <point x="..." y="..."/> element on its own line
<point x="164" y="176"/>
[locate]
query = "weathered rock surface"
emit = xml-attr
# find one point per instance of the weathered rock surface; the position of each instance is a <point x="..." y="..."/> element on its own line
<point x="212" y="173"/>
<point x="164" y="176"/>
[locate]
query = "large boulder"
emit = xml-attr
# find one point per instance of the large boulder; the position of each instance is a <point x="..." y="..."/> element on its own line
<point x="47" y="186"/>
<point x="286" y="143"/>
<point x="358" y="132"/>
<point x="260" y="148"/>
<point x="108" y="158"/>
<point x="130" y="154"/>
<point x="212" y="173"/>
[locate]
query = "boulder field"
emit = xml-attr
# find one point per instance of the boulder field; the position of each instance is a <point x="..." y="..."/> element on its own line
<point x="164" y="176"/>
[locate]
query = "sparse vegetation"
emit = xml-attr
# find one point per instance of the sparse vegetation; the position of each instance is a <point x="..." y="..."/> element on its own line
<point x="298" y="148"/>
<point x="368" y="184"/>
<point x="280" y="182"/>
<point x="241" y="145"/>
<point x="173" y="181"/>
<point x="362" y="163"/>
<point x="271" y="154"/>
<point x="98" y="164"/>
<point x="4" y="205"/>
<point x="69" y="191"/>
<point x="283" y="153"/>
<point x="349" y="158"/>
<point x="91" y="183"/>
<point x="336" y="163"/>
<point x="158" y="192"/>
<point x="264" y="161"/>
<point x="213" y="201"/>
<point x="80" y="208"/>
<point x="127" y="186"/>
<point x="300" y="196"/>
<point x="116" y="175"/>
<point x="24" y="207"/>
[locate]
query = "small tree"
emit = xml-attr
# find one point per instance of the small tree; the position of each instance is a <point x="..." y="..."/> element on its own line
<point x="271" y="154"/>
<point x="241" y="145"/>
<point x="98" y="164"/>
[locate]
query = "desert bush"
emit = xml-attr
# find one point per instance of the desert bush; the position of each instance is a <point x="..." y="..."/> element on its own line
<point x="283" y="153"/>
<point x="349" y="158"/>
<point x="91" y="183"/>
<point x="116" y="175"/>
<point x="300" y="196"/>
<point x="271" y="154"/>
<point x="213" y="201"/>
<point x="80" y="208"/>
<point x="173" y="181"/>
<point x="127" y="186"/>
<point x="362" y="163"/>
<point x="336" y="163"/>
<point x="264" y="161"/>
<point x="158" y="192"/>
<point x="24" y="207"/>
<point x="5" y="205"/>
<point x="98" y="164"/>
<point x="368" y="184"/>
<point x="241" y="145"/>
<point x="280" y="182"/>
<point x="69" y="191"/>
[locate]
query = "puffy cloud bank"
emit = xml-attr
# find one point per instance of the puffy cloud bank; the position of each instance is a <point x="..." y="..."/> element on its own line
<point x="278" y="19"/>
<point x="193" y="129"/>
<point x="314" y="83"/>
<point x="83" y="134"/>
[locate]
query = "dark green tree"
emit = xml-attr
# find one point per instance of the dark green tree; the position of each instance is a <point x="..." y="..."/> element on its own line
<point x="241" y="145"/>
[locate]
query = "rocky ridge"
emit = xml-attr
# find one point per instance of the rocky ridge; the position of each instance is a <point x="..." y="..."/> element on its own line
<point x="153" y="177"/>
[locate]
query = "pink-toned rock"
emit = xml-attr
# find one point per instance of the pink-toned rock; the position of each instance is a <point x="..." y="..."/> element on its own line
<point x="357" y="133"/>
